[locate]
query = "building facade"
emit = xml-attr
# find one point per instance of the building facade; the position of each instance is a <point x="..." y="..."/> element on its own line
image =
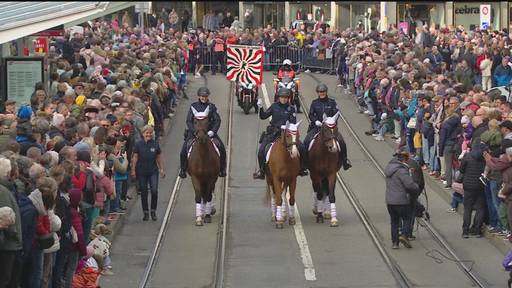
<point x="345" y="14"/>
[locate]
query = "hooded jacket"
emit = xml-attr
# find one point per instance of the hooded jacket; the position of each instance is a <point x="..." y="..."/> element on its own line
<point x="399" y="183"/>
<point x="449" y="132"/>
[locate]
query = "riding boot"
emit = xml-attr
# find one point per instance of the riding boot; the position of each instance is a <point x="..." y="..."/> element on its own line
<point x="343" y="155"/>
<point x="297" y="104"/>
<point x="260" y="174"/>
<point x="222" y="151"/>
<point x="303" y="163"/>
<point x="183" y="161"/>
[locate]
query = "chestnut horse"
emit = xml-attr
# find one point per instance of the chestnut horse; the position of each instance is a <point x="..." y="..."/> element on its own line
<point x="324" y="163"/>
<point x="203" y="167"/>
<point x="282" y="170"/>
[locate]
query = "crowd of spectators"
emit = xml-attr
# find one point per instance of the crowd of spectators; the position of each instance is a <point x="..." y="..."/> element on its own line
<point x="66" y="154"/>
<point x="430" y="92"/>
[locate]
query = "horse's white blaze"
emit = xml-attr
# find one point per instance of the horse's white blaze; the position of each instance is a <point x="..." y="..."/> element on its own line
<point x="335" y="147"/>
<point x="295" y="151"/>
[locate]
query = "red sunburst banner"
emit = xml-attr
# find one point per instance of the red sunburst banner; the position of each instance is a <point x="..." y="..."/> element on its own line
<point x="245" y="64"/>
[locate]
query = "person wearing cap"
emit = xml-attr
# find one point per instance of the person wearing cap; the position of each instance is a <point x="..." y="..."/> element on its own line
<point x="281" y="112"/>
<point x="321" y="106"/>
<point x="400" y="190"/>
<point x="214" y="124"/>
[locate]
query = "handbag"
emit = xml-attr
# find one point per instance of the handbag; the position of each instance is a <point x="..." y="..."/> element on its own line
<point x="45" y="241"/>
<point x="412" y="123"/>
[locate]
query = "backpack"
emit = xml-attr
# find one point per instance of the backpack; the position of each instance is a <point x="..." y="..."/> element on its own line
<point x="90" y="188"/>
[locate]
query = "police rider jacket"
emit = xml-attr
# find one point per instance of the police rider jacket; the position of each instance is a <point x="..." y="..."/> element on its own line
<point x="280" y="114"/>
<point x="213" y="117"/>
<point x="320" y="106"/>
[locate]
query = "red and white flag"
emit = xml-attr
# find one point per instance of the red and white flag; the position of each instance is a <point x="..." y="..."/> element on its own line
<point x="245" y="64"/>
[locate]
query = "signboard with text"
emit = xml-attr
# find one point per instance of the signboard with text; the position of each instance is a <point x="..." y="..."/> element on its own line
<point x="21" y="75"/>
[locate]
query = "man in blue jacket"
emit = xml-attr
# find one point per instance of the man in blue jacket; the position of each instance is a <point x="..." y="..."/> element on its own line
<point x="503" y="73"/>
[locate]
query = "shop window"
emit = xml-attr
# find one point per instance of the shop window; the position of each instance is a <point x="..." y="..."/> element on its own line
<point x="411" y="16"/>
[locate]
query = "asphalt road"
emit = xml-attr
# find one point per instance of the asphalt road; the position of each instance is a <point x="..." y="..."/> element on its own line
<point x="257" y="254"/>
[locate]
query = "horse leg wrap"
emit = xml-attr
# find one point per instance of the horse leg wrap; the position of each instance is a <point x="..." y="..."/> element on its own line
<point x="208" y="208"/>
<point x="325" y="205"/>
<point x="333" y="210"/>
<point x="291" y="211"/>
<point x="199" y="210"/>
<point x="315" y="202"/>
<point x="279" y="213"/>
<point x="273" y="206"/>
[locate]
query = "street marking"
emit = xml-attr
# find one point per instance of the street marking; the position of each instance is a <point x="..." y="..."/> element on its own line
<point x="300" y="236"/>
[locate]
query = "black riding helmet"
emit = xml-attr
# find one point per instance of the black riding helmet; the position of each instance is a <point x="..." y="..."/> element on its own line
<point x="283" y="92"/>
<point x="203" y="91"/>
<point x="321" y="87"/>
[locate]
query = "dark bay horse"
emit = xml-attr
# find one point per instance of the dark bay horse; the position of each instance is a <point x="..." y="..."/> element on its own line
<point x="282" y="170"/>
<point x="203" y="167"/>
<point x="324" y="163"/>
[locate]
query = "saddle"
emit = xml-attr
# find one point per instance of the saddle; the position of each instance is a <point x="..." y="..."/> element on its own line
<point x="190" y="143"/>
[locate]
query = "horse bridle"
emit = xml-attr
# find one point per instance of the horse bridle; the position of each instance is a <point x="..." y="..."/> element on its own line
<point x="293" y="143"/>
<point x="330" y="137"/>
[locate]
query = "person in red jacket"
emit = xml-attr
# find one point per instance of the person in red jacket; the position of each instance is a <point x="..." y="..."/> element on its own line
<point x="286" y="70"/>
<point x="481" y="55"/>
<point x="79" y="247"/>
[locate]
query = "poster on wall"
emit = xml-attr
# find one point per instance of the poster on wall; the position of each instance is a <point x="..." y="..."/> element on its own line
<point x="21" y="75"/>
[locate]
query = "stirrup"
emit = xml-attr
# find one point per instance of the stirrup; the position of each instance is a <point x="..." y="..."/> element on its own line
<point x="183" y="173"/>
<point x="303" y="172"/>
<point x="222" y="173"/>
<point x="346" y="164"/>
<point x="259" y="175"/>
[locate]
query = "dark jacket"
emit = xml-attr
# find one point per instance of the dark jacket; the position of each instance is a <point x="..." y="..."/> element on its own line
<point x="280" y="114"/>
<point x="449" y="133"/>
<point x="472" y="166"/>
<point x="213" y="116"/>
<point x="399" y="184"/>
<point x="475" y="137"/>
<point x="319" y="107"/>
<point x="12" y="236"/>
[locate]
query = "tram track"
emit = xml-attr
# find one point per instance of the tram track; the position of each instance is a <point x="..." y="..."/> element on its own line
<point x="436" y="235"/>
<point x="218" y="271"/>
<point x="393" y="266"/>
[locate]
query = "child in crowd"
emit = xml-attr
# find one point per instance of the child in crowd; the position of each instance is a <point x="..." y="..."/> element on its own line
<point x="101" y="246"/>
<point x="382" y="127"/>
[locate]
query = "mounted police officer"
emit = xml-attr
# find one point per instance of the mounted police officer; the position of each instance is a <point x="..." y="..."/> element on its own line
<point x="324" y="104"/>
<point x="214" y="125"/>
<point x="281" y="112"/>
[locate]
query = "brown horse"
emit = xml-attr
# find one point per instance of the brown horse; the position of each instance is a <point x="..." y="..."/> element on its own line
<point x="203" y="167"/>
<point x="324" y="163"/>
<point x="282" y="171"/>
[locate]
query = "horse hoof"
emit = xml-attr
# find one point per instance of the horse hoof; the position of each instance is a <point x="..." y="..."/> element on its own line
<point x="213" y="211"/>
<point x="334" y="223"/>
<point x="291" y="221"/>
<point x="319" y="218"/>
<point x="279" y="225"/>
<point x="315" y="212"/>
<point x="199" y="222"/>
<point x="327" y="215"/>
<point x="207" y="219"/>
<point x="273" y="218"/>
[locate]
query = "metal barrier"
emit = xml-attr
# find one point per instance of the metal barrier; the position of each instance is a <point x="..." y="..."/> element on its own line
<point x="301" y="58"/>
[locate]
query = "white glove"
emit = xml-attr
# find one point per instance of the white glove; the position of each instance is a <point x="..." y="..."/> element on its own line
<point x="318" y="123"/>
<point x="210" y="133"/>
<point x="259" y="103"/>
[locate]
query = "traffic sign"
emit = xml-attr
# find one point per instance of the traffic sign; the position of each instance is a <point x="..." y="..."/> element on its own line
<point x="485" y="16"/>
